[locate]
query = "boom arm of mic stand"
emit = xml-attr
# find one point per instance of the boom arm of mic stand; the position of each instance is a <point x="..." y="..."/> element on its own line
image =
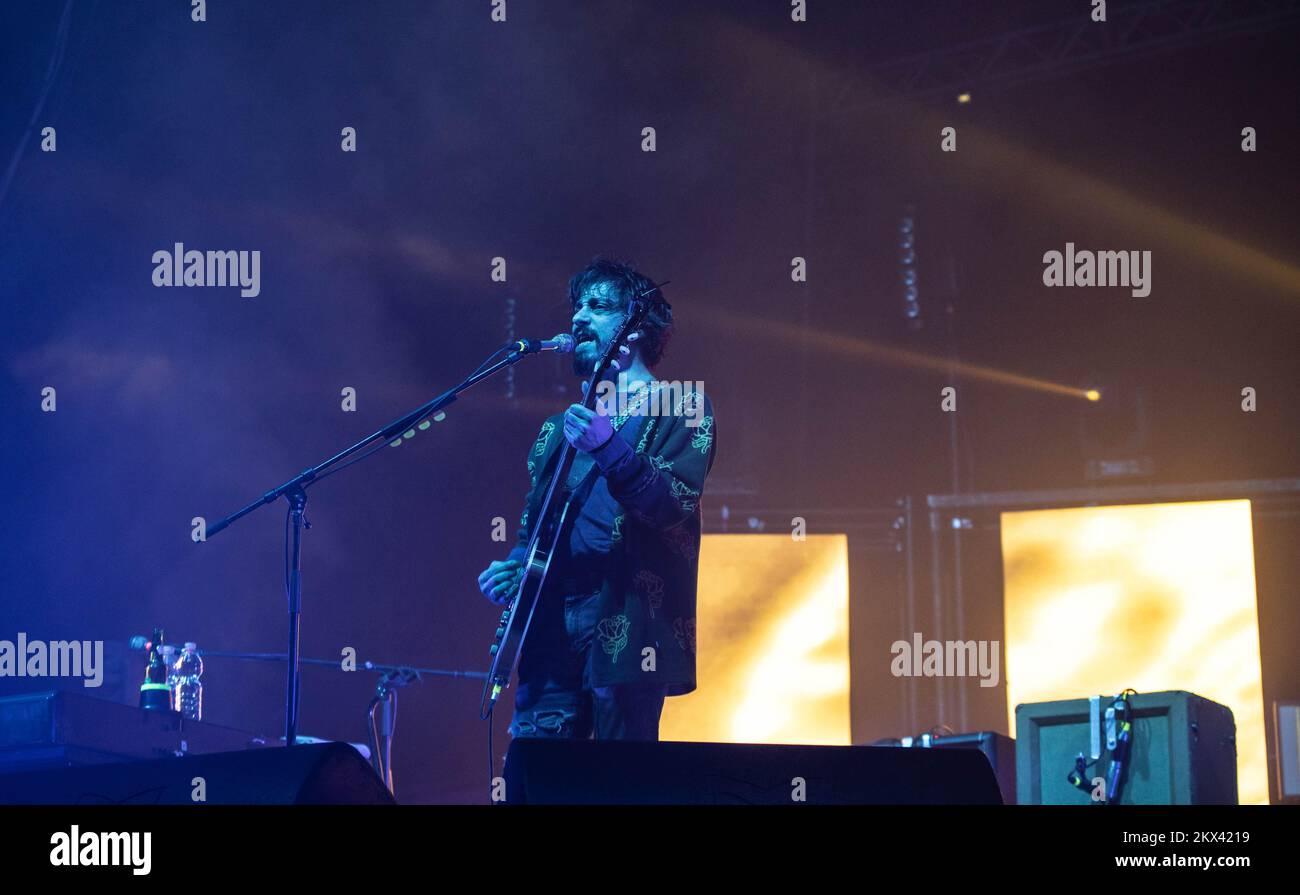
<point x="295" y="492"/>
<point x="393" y="429"/>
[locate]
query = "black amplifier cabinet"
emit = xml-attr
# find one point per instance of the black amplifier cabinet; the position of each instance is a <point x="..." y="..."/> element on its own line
<point x="59" y="729"/>
<point x="323" y="774"/>
<point x="1183" y="751"/>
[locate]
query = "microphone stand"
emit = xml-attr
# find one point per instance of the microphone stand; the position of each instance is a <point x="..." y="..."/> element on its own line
<point x="392" y="677"/>
<point x="381" y="735"/>
<point x="295" y="492"/>
<point x="337" y="665"/>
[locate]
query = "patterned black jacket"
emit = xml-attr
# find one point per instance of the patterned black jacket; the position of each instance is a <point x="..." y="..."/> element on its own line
<point x="646" y="630"/>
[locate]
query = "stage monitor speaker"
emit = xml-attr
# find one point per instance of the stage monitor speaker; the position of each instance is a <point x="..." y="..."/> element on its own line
<point x="998" y="748"/>
<point x="589" y="772"/>
<point x="1286" y="721"/>
<point x="54" y="729"/>
<point x="1183" y="751"/>
<point x="325" y="774"/>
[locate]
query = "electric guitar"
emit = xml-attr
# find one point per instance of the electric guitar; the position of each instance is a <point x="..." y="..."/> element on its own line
<point x="547" y="530"/>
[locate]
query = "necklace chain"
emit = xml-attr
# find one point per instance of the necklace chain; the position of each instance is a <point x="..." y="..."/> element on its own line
<point x="631" y="410"/>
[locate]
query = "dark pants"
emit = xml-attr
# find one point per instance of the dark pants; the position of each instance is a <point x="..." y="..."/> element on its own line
<point x="555" y="696"/>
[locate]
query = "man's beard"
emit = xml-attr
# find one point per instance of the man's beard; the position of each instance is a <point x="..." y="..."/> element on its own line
<point x="584" y="363"/>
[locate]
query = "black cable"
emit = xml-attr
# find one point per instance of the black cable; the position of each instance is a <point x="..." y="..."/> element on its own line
<point x="287" y="516"/>
<point x="372" y="738"/>
<point x="68" y="67"/>
<point x="388" y="741"/>
<point x="491" y="357"/>
<point x="51" y="75"/>
<point x="357" y="459"/>
<point x="491" y="762"/>
<point x="1119" y="760"/>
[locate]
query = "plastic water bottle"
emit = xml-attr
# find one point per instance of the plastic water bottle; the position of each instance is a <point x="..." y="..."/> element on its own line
<point x="188" y="687"/>
<point x="168" y="655"/>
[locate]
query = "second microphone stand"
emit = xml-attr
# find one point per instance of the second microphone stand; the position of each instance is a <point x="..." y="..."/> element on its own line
<point x="295" y="492"/>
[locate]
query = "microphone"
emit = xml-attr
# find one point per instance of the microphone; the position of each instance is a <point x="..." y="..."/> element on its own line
<point x="141" y="643"/>
<point x="562" y="343"/>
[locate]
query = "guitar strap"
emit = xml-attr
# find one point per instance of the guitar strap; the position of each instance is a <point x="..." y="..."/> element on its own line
<point x="629" y="433"/>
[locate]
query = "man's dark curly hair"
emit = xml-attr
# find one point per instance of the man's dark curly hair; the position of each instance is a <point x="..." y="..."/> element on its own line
<point x="628" y="281"/>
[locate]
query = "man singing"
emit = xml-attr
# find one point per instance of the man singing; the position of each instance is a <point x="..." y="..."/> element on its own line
<point x="614" y="630"/>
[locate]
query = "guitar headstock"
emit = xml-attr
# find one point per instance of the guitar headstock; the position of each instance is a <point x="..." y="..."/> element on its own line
<point x="637" y="310"/>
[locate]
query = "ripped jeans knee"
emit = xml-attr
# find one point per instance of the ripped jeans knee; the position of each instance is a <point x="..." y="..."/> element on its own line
<point x="544" y="723"/>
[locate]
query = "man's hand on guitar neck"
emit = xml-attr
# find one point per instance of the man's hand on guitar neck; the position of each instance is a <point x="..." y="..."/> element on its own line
<point x="499" y="580"/>
<point x="586" y="429"/>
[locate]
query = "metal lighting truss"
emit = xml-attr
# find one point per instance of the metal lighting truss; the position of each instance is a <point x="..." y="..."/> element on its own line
<point x="1059" y="48"/>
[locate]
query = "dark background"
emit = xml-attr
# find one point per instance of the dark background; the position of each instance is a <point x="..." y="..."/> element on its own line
<point x="523" y="140"/>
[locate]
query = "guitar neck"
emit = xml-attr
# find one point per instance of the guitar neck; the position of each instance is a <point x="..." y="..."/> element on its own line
<point x="568" y="453"/>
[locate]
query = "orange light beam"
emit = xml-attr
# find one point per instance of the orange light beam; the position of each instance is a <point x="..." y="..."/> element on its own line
<point x="866" y="349"/>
